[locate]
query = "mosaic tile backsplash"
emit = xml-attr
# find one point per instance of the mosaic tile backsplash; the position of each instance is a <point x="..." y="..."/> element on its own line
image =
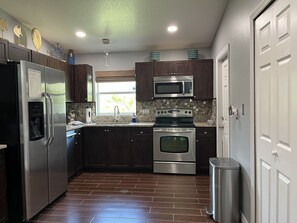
<point x="145" y="111"/>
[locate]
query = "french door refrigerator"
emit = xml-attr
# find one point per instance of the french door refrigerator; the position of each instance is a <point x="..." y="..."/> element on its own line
<point x="33" y="125"/>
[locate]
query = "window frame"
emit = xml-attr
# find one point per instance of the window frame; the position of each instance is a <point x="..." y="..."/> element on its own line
<point x="98" y="113"/>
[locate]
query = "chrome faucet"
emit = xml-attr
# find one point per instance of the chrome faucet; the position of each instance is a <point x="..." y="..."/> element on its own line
<point x="116" y="112"/>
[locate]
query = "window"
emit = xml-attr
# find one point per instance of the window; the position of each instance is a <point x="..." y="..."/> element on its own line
<point x="120" y="93"/>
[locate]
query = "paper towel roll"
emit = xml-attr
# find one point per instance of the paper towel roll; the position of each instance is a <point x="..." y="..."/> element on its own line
<point x="88" y="115"/>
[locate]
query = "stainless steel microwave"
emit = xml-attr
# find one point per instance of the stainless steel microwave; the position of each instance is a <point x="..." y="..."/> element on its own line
<point x="173" y="86"/>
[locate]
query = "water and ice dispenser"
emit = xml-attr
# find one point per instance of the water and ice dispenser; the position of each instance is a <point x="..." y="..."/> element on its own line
<point x="36" y="121"/>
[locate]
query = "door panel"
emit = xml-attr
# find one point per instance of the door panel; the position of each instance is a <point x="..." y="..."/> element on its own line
<point x="276" y="112"/>
<point x="283" y="188"/>
<point x="265" y="191"/>
<point x="57" y="152"/>
<point x="225" y="73"/>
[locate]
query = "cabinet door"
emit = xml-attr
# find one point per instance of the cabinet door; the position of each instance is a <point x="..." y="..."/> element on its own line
<point x="142" y="147"/>
<point x="95" y="143"/>
<point x="3" y="50"/>
<point x="144" y="81"/>
<point x="40" y="58"/>
<point x="119" y="153"/>
<point x="78" y="148"/>
<point x="205" y="148"/>
<point x="203" y="79"/>
<point x="165" y="68"/>
<point x="70" y="153"/>
<point x="69" y="88"/>
<point x="83" y="83"/>
<point x="17" y="53"/>
<point x="3" y="199"/>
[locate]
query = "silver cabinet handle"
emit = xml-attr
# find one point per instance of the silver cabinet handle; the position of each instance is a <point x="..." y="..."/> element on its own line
<point x="48" y="131"/>
<point x="141" y="132"/>
<point x="52" y="119"/>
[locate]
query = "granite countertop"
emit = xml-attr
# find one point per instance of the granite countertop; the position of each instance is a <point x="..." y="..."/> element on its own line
<point x="137" y="124"/>
<point x="2" y="146"/>
<point x="203" y="124"/>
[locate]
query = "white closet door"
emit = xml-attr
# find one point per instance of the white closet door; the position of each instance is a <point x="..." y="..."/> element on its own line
<point x="276" y="112"/>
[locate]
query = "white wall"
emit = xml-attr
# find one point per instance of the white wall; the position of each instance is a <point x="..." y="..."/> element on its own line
<point x="235" y="30"/>
<point x="126" y="60"/>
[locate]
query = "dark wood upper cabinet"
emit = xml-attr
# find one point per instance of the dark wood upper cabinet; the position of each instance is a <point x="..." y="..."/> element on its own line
<point x="83" y="83"/>
<point x="205" y="148"/>
<point x="166" y="68"/>
<point x="40" y="58"/>
<point x="203" y="79"/>
<point x="69" y="86"/>
<point x="56" y="63"/>
<point x="144" y="81"/>
<point x="17" y="53"/>
<point x="3" y="50"/>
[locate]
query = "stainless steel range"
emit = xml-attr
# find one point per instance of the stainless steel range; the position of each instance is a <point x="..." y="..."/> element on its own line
<point x="174" y="142"/>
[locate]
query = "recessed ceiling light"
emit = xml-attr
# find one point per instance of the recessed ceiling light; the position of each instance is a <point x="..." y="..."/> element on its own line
<point x="80" y="34"/>
<point x="172" y="29"/>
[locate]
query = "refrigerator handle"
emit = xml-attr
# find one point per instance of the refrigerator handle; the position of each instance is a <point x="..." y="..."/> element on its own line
<point x="48" y="133"/>
<point x="52" y="135"/>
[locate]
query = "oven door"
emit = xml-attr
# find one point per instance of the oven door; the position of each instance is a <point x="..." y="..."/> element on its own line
<point x="174" y="144"/>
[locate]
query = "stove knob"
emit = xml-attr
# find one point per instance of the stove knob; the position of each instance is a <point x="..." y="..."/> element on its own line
<point x="190" y="112"/>
<point x="186" y="112"/>
<point x="158" y="112"/>
<point x="165" y="112"/>
<point x="161" y="112"/>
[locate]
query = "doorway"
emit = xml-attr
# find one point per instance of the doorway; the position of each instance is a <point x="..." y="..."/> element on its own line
<point x="222" y="95"/>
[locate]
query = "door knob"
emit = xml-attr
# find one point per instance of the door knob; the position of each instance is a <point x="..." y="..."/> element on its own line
<point x="275" y="153"/>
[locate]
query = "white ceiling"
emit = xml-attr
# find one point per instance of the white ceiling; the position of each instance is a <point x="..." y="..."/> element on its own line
<point x="131" y="25"/>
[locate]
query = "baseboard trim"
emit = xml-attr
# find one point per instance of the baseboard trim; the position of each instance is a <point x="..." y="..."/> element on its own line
<point x="243" y="219"/>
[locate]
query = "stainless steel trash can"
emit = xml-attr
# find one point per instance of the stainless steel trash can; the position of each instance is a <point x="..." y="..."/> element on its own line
<point x="224" y="190"/>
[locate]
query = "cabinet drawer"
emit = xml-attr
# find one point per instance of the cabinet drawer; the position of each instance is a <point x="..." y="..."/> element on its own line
<point x="208" y="131"/>
<point x="141" y="130"/>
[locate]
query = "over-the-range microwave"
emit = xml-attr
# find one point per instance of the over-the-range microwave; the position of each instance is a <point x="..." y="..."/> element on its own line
<point x="173" y="86"/>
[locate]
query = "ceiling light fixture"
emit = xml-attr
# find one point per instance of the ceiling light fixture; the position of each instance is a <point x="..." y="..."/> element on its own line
<point x="172" y="29"/>
<point x="80" y="34"/>
<point x="106" y="59"/>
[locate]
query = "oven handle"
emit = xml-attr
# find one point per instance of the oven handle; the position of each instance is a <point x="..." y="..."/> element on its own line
<point x="174" y="130"/>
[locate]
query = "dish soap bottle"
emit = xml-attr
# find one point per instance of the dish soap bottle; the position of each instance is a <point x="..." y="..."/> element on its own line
<point x="133" y="120"/>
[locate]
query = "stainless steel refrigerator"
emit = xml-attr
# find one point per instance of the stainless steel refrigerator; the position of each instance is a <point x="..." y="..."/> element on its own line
<point x="33" y="125"/>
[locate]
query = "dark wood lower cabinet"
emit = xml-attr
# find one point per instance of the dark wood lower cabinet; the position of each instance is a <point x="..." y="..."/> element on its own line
<point x="118" y="151"/>
<point x="205" y="148"/>
<point x="118" y="147"/>
<point x="78" y="150"/>
<point x="142" y="147"/>
<point x="74" y="152"/>
<point x="3" y="198"/>
<point x="94" y="145"/>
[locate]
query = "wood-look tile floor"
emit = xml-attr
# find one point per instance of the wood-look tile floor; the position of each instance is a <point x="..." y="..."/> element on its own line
<point x="131" y="198"/>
